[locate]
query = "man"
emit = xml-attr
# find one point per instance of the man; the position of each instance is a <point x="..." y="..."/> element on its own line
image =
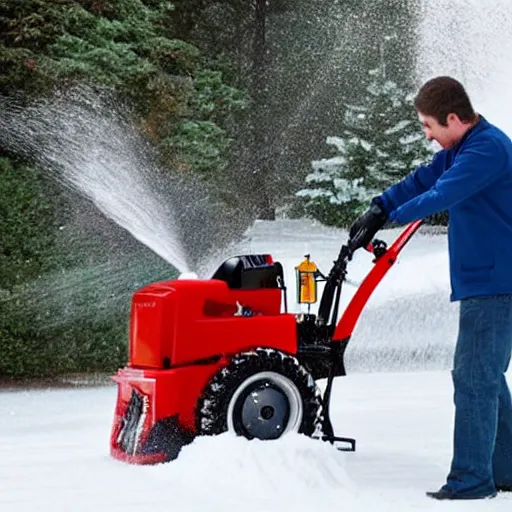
<point x="471" y="177"/>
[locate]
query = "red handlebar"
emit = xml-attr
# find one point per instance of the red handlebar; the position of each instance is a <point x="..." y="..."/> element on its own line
<point x="350" y="316"/>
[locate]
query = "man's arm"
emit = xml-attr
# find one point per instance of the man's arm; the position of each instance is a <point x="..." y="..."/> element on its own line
<point x="418" y="182"/>
<point x="476" y="167"/>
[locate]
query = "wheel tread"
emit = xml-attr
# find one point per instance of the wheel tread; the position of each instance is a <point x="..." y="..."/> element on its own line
<point x="211" y="411"/>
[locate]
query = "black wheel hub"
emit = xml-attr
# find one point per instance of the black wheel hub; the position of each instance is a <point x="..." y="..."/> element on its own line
<point x="267" y="412"/>
<point x="261" y="411"/>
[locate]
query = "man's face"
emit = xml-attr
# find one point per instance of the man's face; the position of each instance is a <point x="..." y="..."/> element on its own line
<point x="447" y="136"/>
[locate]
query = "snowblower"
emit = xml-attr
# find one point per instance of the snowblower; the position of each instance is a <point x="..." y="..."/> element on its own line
<point x="223" y="354"/>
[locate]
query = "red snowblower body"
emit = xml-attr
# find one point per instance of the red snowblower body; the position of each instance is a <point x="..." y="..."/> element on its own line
<point x="223" y="354"/>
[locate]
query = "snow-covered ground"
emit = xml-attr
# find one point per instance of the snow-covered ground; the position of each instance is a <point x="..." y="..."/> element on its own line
<point x="54" y="456"/>
<point x="54" y="442"/>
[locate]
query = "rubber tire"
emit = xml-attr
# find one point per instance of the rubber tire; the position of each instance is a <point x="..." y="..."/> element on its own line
<point x="212" y="406"/>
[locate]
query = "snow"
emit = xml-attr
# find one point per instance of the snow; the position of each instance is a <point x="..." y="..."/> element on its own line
<point x="54" y="442"/>
<point x="339" y="142"/>
<point x="54" y="453"/>
<point x="325" y="163"/>
<point x="398" y="127"/>
<point x="367" y="146"/>
<point x="470" y="40"/>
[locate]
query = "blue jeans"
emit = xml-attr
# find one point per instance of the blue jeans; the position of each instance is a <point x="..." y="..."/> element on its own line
<point x="482" y="445"/>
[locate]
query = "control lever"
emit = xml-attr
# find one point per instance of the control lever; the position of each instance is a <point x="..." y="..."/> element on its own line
<point x="378" y="248"/>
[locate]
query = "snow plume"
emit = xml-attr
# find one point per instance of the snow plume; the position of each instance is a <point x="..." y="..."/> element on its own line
<point x="89" y="143"/>
<point x="470" y="40"/>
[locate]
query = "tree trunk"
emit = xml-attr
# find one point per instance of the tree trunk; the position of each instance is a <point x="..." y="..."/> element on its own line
<point x="262" y="166"/>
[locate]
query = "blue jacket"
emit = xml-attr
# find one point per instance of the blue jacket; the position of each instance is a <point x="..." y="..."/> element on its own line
<point x="473" y="181"/>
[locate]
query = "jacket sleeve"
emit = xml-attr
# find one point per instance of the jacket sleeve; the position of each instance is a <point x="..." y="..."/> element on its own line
<point x="419" y="181"/>
<point x="475" y="167"/>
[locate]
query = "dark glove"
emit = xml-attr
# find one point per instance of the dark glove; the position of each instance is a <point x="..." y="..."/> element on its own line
<point x="365" y="227"/>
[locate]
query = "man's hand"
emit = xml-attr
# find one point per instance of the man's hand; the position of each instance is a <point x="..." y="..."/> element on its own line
<point x="365" y="227"/>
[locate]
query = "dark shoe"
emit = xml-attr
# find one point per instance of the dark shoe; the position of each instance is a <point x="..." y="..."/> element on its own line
<point x="504" y="488"/>
<point x="447" y="494"/>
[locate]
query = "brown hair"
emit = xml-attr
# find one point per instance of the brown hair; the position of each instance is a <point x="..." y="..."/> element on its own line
<point x="442" y="96"/>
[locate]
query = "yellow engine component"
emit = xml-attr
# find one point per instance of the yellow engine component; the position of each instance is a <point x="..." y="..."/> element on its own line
<point x="306" y="274"/>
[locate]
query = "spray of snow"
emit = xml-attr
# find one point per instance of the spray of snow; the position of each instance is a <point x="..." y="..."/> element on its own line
<point x="470" y="40"/>
<point x="91" y="146"/>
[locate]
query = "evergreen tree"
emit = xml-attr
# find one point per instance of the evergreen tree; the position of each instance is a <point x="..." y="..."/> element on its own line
<point x="336" y="192"/>
<point x="381" y="143"/>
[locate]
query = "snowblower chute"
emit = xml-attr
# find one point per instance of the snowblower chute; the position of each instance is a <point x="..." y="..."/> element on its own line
<point x="206" y="356"/>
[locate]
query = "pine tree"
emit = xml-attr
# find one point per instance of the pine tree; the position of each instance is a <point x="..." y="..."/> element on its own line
<point x="381" y="143"/>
